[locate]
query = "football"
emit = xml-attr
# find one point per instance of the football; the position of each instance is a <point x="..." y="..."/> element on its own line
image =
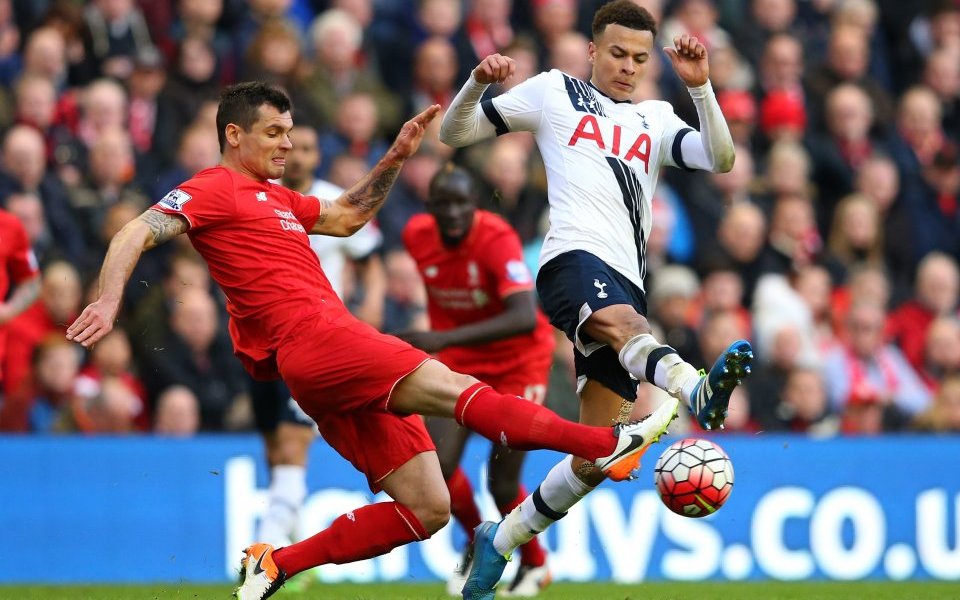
<point x="694" y="477"/>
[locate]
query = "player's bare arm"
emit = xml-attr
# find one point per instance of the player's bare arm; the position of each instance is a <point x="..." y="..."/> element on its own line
<point x="150" y="229"/>
<point x="23" y="295"/>
<point x="714" y="151"/>
<point x="518" y="318"/>
<point x="359" y="204"/>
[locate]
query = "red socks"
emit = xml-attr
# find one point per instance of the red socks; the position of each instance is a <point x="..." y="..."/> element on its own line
<point x="363" y="533"/>
<point x="462" y="505"/>
<point x="522" y="425"/>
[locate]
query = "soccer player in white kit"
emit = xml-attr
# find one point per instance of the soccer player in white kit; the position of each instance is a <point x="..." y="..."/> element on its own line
<point x="603" y="154"/>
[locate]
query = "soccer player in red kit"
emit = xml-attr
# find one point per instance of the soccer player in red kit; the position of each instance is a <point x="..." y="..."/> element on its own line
<point x="18" y="269"/>
<point x="360" y="386"/>
<point x="485" y="322"/>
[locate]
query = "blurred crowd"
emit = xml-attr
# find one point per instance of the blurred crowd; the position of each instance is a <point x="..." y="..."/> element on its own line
<point x="833" y="244"/>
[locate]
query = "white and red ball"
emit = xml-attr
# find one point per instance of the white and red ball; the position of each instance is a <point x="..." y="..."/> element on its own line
<point x="694" y="477"/>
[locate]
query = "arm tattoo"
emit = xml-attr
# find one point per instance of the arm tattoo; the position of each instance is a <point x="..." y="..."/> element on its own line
<point x="326" y="206"/>
<point x="369" y="194"/>
<point x="164" y="227"/>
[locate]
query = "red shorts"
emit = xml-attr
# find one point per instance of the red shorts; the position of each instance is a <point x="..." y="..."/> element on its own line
<point x="530" y="381"/>
<point x="342" y="371"/>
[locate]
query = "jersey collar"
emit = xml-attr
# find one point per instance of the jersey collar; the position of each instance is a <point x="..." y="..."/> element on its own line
<point x="590" y="83"/>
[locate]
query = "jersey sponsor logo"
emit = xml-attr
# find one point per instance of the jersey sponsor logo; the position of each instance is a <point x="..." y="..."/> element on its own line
<point x="288" y="221"/>
<point x="588" y="130"/>
<point x="517" y="272"/>
<point x="175" y="199"/>
<point x="600" y="286"/>
<point x="261" y="196"/>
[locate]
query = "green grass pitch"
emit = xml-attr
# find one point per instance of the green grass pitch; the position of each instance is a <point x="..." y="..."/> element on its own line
<point x="560" y="591"/>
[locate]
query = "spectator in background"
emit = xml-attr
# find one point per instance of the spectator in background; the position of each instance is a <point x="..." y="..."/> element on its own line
<point x="672" y="293"/>
<point x="941" y="355"/>
<point x="507" y="190"/>
<point x="866" y="370"/>
<point x="765" y="20"/>
<point x="919" y="134"/>
<point x="405" y="306"/>
<point x="145" y="84"/>
<point x="793" y="240"/>
<point x="192" y="81"/>
<point x="781" y="67"/>
<point x="783" y="118"/>
<point x="198" y="19"/>
<point x="936" y="294"/>
<point x="879" y="180"/>
<point x="48" y="387"/>
<point x="115" y="33"/>
<point x="198" y="355"/>
<point x="933" y="204"/>
<point x="406" y="199"/>
<point x="943" y="416"/>
<point x="109" y="181"/>
<point x="803" y="407"/>
<point x="741" y="238"/>
<point x="856" y="236"/>
<point x="275" y="54"/>
<point x="177" y="412"/>
<point x="814" y="285"/>
<point x="111" y="359"/>
<point x="59" y="304"/>
<point x="45" y="55"/>
<point x="524" y="53"/>
<point x="148" y="320"/>
<point x="36" y="106"/>
<point x="840" y="152"/>
<point x="941" y="73"/>
<point x="434" y="75"/>
<point x="488" y="29"/>
<point x="783" y="351"/>
<point x="552" y="20"/>
<point x="23" y="169"/>
<point x="740" y="110"/>
<point x="335" y="37"/>
<point x="109" y="407"/>
<point x="354" y="132"/>
<point x="28" y="209"/>
<point x="847" y="61"/>
<point x="198" y="150"/>
<point x="568" y="54"/>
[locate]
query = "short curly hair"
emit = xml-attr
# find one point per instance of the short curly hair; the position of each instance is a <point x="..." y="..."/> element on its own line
<point x="626" y="13"/>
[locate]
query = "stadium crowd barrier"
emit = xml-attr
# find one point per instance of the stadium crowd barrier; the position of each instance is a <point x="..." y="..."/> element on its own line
<point x="162" y="510"/>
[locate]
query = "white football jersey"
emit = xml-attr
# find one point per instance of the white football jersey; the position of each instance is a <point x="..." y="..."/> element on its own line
<point x="333" y="251"/>
<point x="602" y="158"/>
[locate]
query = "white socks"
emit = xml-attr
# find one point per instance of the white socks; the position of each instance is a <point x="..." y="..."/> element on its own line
<point x="560" y="490"/>
<point x="288" y="489"/>
<point x="648" y="360"/>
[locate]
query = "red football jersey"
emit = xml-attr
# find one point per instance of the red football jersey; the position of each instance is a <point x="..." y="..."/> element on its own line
<point x="253" y="235"/>
<point x="468" y="283"/>
<point x="18" y="263"/>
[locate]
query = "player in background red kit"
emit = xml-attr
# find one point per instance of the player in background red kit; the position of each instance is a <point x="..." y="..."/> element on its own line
<point x="484" y="321"/>
<point x="18" y="268"/>
<point x="364" y="389"/>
